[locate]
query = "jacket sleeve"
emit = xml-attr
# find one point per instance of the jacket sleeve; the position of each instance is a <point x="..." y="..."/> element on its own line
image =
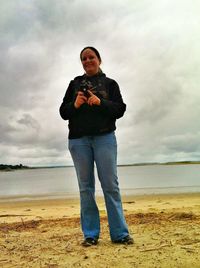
<point x="67" y="109"/>
<point x="114" y="106"/>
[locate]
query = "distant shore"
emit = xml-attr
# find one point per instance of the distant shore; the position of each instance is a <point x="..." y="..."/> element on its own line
<point x="164" y="163"/>
<point x="5" y="167"/>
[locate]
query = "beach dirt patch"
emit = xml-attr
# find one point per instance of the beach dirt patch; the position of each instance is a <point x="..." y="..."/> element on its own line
<point x="57" y="243"/>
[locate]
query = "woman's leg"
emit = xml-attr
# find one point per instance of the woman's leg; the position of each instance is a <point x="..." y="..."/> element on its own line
<point x="105" y="154"/>
<point x="82" y="155"/>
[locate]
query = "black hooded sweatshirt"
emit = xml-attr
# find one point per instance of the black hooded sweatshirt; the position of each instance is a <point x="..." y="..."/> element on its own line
<point x="92" y="120"/>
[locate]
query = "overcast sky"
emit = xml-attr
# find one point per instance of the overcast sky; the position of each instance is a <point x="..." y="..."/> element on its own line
<point x="150" y="47"/>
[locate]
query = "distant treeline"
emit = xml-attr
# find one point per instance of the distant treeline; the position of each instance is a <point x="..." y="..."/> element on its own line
<point x="12" y="167"/>
<point x="165" y="163"/>
<point x="181" y="163"/>
<point x="20" y="166"/>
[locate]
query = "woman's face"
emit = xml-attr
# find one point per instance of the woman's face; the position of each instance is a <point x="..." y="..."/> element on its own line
<point x="90" y="62"/>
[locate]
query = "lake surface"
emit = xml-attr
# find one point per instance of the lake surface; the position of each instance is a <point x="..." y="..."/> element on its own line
<point x="61" y="182"/>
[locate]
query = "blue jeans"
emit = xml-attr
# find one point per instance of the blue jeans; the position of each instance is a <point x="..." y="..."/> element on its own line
<point x="103" y="151"/>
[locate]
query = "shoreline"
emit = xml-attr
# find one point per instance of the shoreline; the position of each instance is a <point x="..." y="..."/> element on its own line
<point x="70" y="207"/>
<point x="150" y="191"/>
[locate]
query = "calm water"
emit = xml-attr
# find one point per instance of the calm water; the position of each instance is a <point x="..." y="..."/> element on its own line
<point x="62" y="182"/>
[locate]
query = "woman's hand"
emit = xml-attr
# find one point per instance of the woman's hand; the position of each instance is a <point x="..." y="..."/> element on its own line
<point x="93" y="99"/>
<point x="80" y="99"/>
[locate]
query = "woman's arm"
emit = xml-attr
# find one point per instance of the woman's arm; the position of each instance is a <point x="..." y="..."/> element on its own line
<point x="67" y="109"/>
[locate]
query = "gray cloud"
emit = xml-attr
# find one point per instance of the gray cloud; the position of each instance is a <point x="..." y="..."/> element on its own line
<point x="150" y="47"/>
<point x="186" y="143"/>
<point x="28" y="121"/>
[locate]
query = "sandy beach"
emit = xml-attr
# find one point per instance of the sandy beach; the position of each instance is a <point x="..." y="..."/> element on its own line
<point x="46" y="233"/>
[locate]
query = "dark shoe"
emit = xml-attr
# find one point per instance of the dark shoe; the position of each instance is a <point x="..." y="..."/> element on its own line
<point x="127" y="240"/>
<point x="90" y="242"/>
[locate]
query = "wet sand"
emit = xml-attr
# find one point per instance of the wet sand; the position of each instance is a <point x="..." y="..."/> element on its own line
<point x="46" y="233"/>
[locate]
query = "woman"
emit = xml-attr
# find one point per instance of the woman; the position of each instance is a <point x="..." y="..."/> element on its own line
<point x="92" y="104"/>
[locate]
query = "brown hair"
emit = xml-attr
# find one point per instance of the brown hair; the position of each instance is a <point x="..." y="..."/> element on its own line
<point x="94" y="50"/>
